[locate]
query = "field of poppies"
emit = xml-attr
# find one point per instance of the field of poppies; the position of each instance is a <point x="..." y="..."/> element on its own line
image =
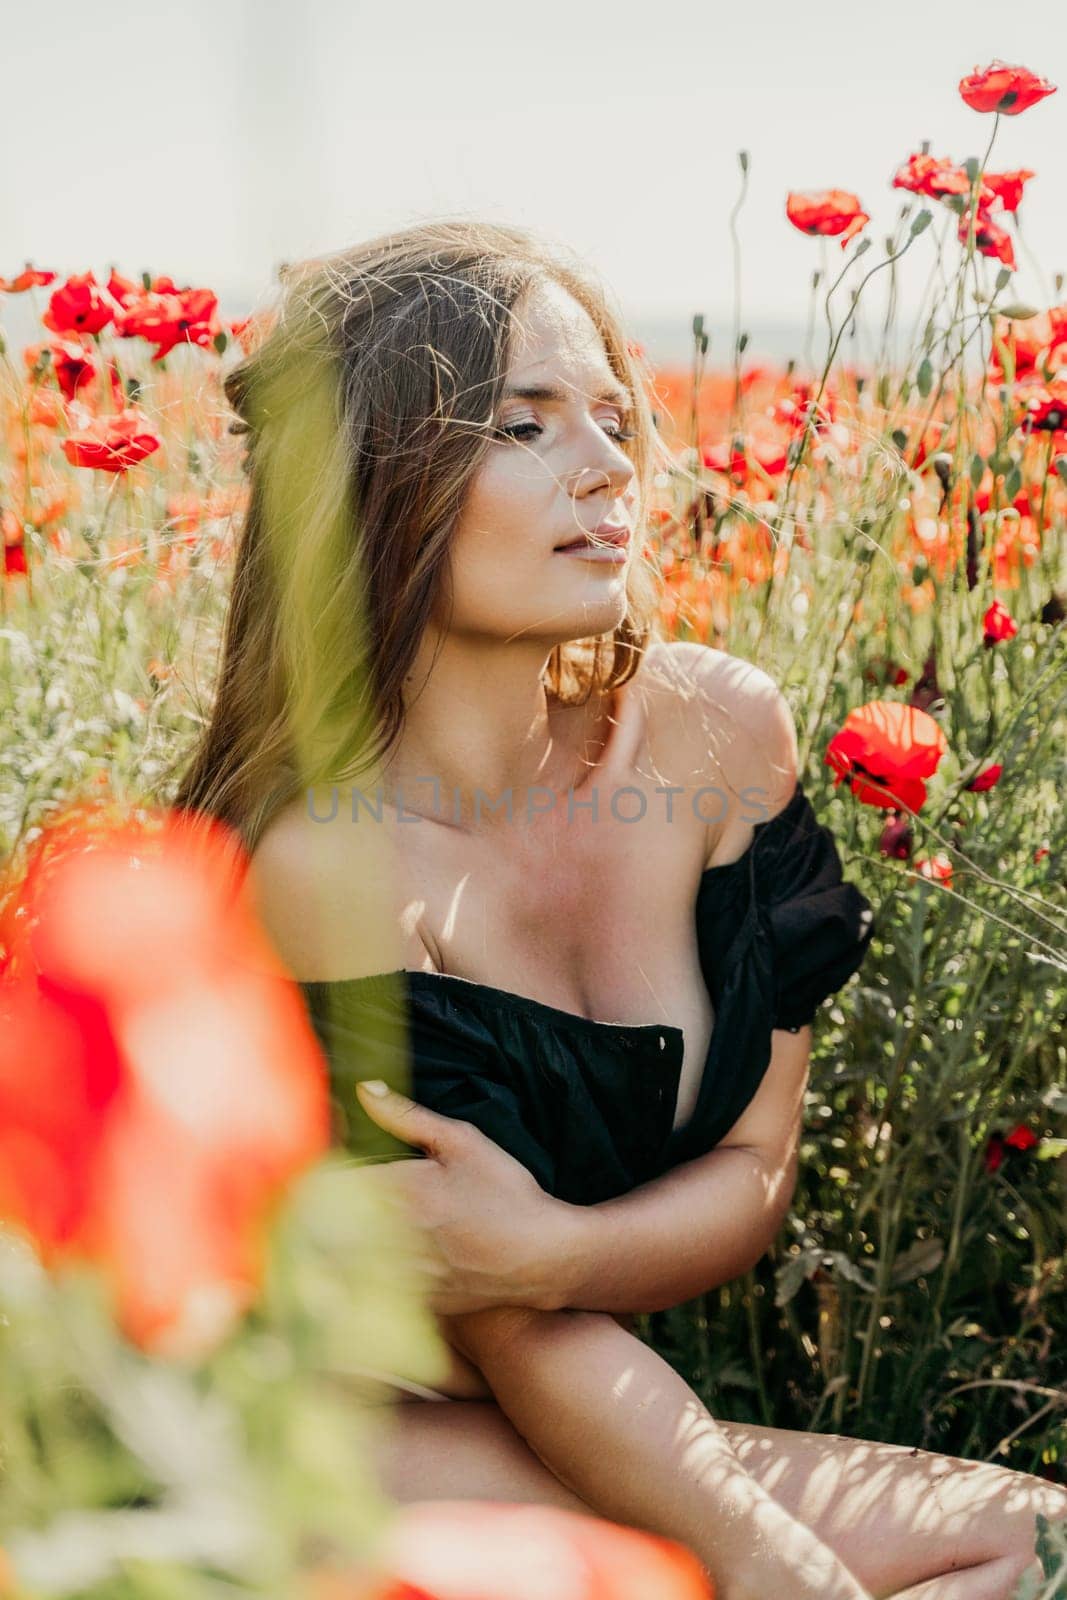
<point x="886" y="537"/>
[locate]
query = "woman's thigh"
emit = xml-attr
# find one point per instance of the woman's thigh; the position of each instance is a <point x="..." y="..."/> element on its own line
<point x="895" y="1516"/>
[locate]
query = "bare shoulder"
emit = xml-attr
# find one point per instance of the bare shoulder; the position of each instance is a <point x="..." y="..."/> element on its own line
<point x="323" y="889"/>
<point x="738" y="731"/>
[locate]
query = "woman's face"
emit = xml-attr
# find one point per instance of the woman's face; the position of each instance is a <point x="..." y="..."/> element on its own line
<point x="555" y="472"/>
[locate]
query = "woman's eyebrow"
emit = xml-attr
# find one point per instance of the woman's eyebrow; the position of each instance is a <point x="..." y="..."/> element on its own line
<point x="613" y="392"/>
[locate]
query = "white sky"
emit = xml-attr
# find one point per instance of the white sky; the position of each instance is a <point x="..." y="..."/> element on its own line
<point x="213" y="138"/>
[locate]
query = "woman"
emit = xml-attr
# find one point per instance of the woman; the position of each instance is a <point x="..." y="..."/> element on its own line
<point x="441" y="584"/>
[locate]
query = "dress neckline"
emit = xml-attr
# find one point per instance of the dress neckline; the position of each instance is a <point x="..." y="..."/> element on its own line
<point x="383" y="982"/>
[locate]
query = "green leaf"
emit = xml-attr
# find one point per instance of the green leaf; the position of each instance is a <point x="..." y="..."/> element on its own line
<point x="923" y="1257"/>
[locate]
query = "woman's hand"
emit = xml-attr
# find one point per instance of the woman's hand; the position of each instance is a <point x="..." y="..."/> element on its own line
<point x="485" y="1220"/>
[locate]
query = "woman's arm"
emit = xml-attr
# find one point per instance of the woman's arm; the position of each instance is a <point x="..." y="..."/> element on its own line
<point x="498" y="1240"/>
<point x="701" y="1224"/>
<point x="619" y="1427"/>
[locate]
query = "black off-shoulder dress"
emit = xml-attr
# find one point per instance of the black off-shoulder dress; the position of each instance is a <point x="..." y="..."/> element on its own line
<point x="587" y="1106"/>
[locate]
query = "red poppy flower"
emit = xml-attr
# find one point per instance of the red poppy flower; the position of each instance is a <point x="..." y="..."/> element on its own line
<point x="935" y="179"/>
<point x="736" y="459"/>
<point x="1003" y="88"/>
<point x="490" y="1550"/>
<point x="988" y="778"/>
<point x="176" y="1086"/>
<point x="880" y="671"/>
<point x="989" y="238"/>
<point x="169" y="319"/>
<point x="827" y="211"/>
<point x="72" y="363"/>
<point x="994" y="1153"/>
<point x="112" y="443"/>
<point x="79" y="306"/>
<point x="1046" y="408"/>
<point x="123" y="290"/>
<point x="1008" y="186"/>
<point x="30" y="278"/>
<point x="937" y="868"/>
<point x="1021" y="1139"/>
<point x="1037" y="343"/>
<point x="887" y="750"/>
<point x="14" y="545"/>
<point x="998" y="624"/>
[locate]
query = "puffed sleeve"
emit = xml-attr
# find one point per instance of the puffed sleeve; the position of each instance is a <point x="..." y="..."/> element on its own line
<point x="818" y="924"/>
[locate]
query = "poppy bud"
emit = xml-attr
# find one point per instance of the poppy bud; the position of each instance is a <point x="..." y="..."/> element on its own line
<point x="897" y="839"/>
<point x="942" y="465"/>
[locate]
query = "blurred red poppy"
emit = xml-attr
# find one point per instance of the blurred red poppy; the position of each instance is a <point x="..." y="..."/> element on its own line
<point x="491" y="1550"/>
<point x="887" y="750"/>
<point x="159" y="1083"/>
<point x="1021" y="1139"/>
<point x="72" y="362"/>
<point x="936" y="179"/>
<point x="29" y="278"/>
<point x="998" y="624"/>
<point x="1046" y="408"/>
<point x="123" y="290"/>
<point x="112" y="443"/>
<point x="188" y="317"/>
<point x="79" y="306"/>
<point x="1035" y="344"/>
<point x="1008" y="186"/>
<point x="1004" y="88"/>
<point x="937" y="868"/>
<point x="988" y="778"/>
<point x="15" y="564"/>
<point x="989" y="238"/>
<point x="827" y="211"/>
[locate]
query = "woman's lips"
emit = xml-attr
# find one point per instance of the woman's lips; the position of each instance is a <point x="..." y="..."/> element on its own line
<point x="613" y="553"/>
<point x="608" y="537"/>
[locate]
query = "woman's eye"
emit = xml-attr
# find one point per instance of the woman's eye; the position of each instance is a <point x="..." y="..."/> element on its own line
<point x="518" y="430"/>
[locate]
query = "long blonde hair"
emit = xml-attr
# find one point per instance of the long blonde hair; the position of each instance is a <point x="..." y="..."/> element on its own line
<point x="368" y="408"/>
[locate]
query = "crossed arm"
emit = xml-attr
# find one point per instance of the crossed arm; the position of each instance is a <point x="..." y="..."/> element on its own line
<point x="494" y="1239"/>
<point x="696" y="1227"/>
<point x="605" y="1413"/>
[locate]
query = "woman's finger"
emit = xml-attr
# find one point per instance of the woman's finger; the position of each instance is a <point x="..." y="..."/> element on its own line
<point x="406" y="1119"/>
